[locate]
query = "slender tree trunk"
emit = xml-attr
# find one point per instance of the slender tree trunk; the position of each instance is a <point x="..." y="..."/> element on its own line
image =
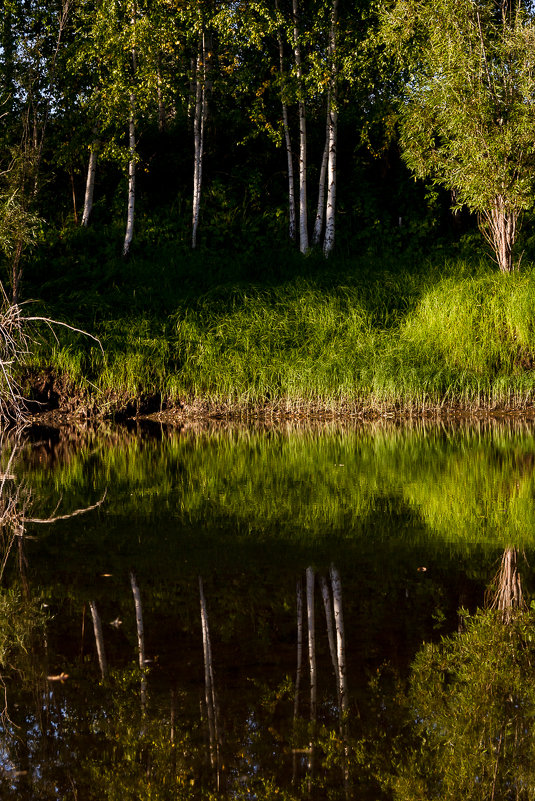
<point x="198" y="146"/>
<point x="499" y="226"/>
<point x="90" y="184"/>
<point x="332" y="126"/>
<point x="73" y="189"/>
<point x="16" y="271"/>
<point x="287" y="140"/>
<point x="330" y="211"/>
<point x="320" y="213"/>
<point x="129" y="234"/>
<point x="199" y="119"/>
<point x="131" y="179"/>
<point x="99" y="639"/>
<point x="303" y="221"/>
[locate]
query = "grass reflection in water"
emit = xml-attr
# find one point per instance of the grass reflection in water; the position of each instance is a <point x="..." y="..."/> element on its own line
<point x="286" y="671"/>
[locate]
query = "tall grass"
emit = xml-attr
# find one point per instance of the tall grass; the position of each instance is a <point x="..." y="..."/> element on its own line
<point x="456" y="335"/>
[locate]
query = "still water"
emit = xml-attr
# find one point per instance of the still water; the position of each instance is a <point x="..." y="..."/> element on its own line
<point x="268" y="613"/>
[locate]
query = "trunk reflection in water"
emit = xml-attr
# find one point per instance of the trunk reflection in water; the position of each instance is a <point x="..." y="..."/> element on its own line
<point x="209" y="690"/>
<point x="395" y="518"/>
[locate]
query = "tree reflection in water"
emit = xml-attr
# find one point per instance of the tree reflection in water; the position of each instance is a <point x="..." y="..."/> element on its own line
<point x="351" y="720"/>
<point x="472" y="704"/>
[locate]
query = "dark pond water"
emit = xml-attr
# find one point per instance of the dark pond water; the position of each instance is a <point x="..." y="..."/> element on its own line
<point x="261" y="613"/>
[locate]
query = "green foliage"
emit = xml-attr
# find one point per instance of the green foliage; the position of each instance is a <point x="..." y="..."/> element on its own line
<point x="467" y="116"/>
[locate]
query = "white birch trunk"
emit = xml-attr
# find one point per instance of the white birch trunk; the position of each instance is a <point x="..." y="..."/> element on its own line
<point x="198" y="136"/>
<point x="332" y="123"/>
<point x="320" y="212"/>
<point x="99" y="639"/>
<point x="330" y="212"/>
<point x="131" y="179"/>
<point x="303" y="221"/>
<point x="129" y="235"/>
<point x="291" y="179"/>
<point x="288" y="142"/>
<point x="90" y="185"/>
<point x="140" y="639"/>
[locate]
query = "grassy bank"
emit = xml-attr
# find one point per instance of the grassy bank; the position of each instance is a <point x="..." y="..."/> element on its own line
<point x="368" y="333"/>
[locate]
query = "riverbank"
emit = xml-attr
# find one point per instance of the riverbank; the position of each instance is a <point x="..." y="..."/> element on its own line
<point x="365" y="338"/>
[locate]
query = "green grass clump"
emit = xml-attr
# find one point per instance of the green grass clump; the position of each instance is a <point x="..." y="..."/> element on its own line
<point x="361" y="334"/>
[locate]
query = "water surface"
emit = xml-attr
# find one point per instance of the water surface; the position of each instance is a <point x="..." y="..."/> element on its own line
<point x="232" y="540"/>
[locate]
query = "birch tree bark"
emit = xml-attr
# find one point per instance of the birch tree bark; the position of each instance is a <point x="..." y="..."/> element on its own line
<point x="287" y="139"/>
<point x="198" y="142"/>
<point x="129" y="235"/>
<point x="332" y="127"/>
<point x="131" y="143"/>
<point x="320" y="212"/>
<point x="303" y="220"/>
<point x="90" y="185"/>
<point x="199" y="119"/>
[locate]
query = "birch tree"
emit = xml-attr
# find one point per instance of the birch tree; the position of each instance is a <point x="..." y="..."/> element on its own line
<point x="118" y="51"/>
<point x="467" y="115"/>
<point x="90" y="185"/>
<point x="199" y="118"/>
<point x="131" y="138"/>
<point x="303" y="215"/>
<point x="332" y="135"/>
<point x="287" y="137"/>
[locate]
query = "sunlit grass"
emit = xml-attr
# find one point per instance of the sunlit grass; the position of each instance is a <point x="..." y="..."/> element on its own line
<point x="452" y="335"/>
